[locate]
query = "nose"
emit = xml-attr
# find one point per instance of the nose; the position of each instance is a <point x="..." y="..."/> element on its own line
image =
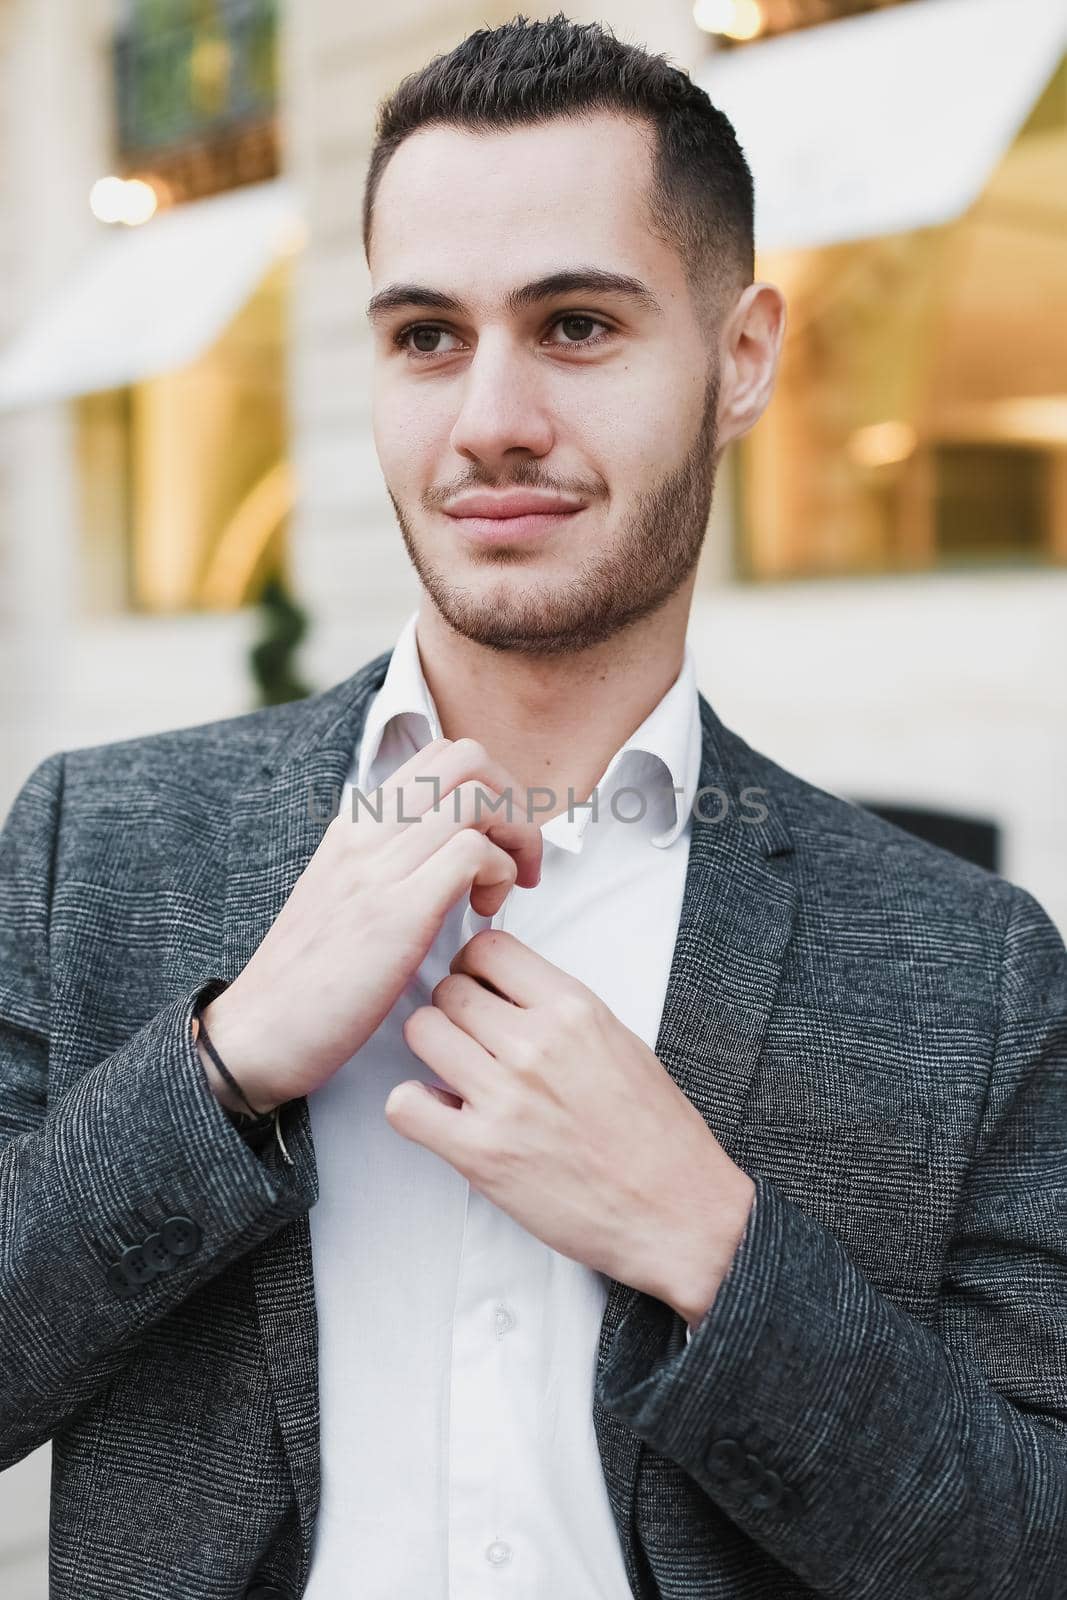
<point x="503" y="406"/>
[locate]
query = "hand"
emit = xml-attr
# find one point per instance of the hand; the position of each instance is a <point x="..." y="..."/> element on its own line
<point x="567" y="1121"/>
<point x="363" y="915"/>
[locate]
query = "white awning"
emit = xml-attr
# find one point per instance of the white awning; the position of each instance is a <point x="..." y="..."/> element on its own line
<point x="886" y="121"/>
<point x="150" y="299"/>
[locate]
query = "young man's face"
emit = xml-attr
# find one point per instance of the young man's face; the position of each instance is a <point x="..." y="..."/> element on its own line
<point x="601" y="397"/>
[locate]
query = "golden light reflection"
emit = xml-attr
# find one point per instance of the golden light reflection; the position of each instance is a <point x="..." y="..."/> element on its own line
<point x="734" y="19"/>
<point x="883" y="444"/>
<point x="128" y="201"/>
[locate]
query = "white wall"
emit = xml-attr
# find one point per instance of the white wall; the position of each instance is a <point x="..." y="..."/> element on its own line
<point x="947" y="690"/>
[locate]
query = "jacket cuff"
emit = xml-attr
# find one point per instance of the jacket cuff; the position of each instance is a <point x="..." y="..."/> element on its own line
<point x="258" y="1130"/>
<point x="670" y="1395"/>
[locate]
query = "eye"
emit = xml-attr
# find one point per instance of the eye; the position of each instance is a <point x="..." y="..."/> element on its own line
<point x="421" y="340"/>
<point x="576" y="328"/>
<point x="422" y="331"/>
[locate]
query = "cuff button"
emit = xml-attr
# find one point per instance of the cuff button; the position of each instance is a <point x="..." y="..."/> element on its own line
<point x="769" y="1493"/>
<point x="117" y="1280"/>
<point x="156" y="1253"/>
<point x="135" y="1266"/>
<point x="725" y="1459"/>
<point x="180" y="1235"/>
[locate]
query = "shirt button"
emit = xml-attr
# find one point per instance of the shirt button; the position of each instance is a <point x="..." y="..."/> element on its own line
<point x="498" y="1552"/>
<point x="503" y="1321"/>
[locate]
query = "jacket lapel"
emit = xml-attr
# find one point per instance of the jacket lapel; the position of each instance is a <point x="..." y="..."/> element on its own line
<point x="735" y="924"/>
<point x="276" y="824"/>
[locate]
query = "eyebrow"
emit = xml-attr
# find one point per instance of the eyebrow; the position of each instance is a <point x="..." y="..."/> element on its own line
<point x="574" y="280"/>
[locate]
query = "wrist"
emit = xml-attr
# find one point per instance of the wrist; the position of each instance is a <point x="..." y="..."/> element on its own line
<point x="247" y="1097"/>
<point x="707" y="1262"/>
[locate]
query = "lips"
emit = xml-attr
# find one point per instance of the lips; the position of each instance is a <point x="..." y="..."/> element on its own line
<point x="516" y="503"/>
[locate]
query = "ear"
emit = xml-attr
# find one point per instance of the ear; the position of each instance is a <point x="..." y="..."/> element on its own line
<point x="749" y="348"/>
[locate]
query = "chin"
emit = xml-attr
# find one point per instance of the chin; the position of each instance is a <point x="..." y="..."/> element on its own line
<point x="518" y="618"/>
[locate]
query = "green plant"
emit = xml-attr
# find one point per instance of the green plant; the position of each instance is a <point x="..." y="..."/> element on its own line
<point x="272" y="657"/>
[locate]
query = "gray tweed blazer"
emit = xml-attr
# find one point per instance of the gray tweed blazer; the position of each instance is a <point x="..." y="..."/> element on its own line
<point x="874" y="1409"/>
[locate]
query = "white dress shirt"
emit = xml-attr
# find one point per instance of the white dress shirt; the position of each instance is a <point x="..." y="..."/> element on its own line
<point x="456" y="1350"/>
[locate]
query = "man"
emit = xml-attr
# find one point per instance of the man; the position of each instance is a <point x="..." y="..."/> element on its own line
<point x="595" y="1162"/>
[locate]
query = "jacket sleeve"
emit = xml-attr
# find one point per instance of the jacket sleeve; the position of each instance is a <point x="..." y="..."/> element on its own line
<point x="138" y="1149"/>
<point x="866" y="1452"/>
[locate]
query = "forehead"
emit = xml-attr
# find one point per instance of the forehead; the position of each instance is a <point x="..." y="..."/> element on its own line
<point x="458" y="208"/>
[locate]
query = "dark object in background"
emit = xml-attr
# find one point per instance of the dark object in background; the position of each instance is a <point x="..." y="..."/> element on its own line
<point x="974" y="838"/>
<point x="271" y="659"/>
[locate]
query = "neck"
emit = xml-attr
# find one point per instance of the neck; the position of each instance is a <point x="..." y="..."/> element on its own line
<point x="553" y="722"/>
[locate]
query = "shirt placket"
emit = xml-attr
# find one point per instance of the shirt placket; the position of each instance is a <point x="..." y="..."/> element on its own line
<point x="485" y="1541"/>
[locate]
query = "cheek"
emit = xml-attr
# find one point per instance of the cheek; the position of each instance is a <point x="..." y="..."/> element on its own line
<point x="409" y="444"/>
<point x="639" y="416"/>
<point x="632" y="436"/>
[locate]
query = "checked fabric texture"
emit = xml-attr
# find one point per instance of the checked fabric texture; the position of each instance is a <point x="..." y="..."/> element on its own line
<point x="875" y="1407"/>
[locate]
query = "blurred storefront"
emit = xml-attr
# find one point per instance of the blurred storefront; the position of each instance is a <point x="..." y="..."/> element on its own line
<point x="144" y="429"/>
<point x="891" y="615"/>
<point x="919" y="234"/>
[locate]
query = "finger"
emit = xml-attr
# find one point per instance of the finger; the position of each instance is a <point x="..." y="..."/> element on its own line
<point x="380" y="808"/>
<point x="487" y="1018"/>
<point x="446" y="1049"/>
<point x="424" y="786"/>
<point x="466" y="862"/>
<point x="514" y="970"/>
<point x="444" y="1095"/>
<point x="468" y="806"/>
<point x="459" y="761"/>
<point x="418" y="1115"/>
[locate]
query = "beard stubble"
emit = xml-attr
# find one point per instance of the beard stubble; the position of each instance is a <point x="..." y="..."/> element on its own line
<point x="654" y="554"/>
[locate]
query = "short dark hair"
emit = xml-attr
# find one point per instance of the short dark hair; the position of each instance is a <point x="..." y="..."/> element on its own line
<point x="700" y="197"/>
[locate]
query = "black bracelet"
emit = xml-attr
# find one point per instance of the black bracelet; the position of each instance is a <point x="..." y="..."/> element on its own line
<point x="203" y="1034"/>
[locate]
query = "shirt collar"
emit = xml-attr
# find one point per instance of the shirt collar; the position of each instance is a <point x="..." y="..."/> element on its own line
<point x="404" y="691"/>
<point x="670" y="733"/>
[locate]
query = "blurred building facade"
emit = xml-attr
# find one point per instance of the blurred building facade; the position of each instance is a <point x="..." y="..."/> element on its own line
<point x="883" y="586"/>
<point x="883" y="591"/>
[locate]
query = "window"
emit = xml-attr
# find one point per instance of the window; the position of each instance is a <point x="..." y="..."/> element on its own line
<point x="186" y="485"/>
<point x="920" y="417"/>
